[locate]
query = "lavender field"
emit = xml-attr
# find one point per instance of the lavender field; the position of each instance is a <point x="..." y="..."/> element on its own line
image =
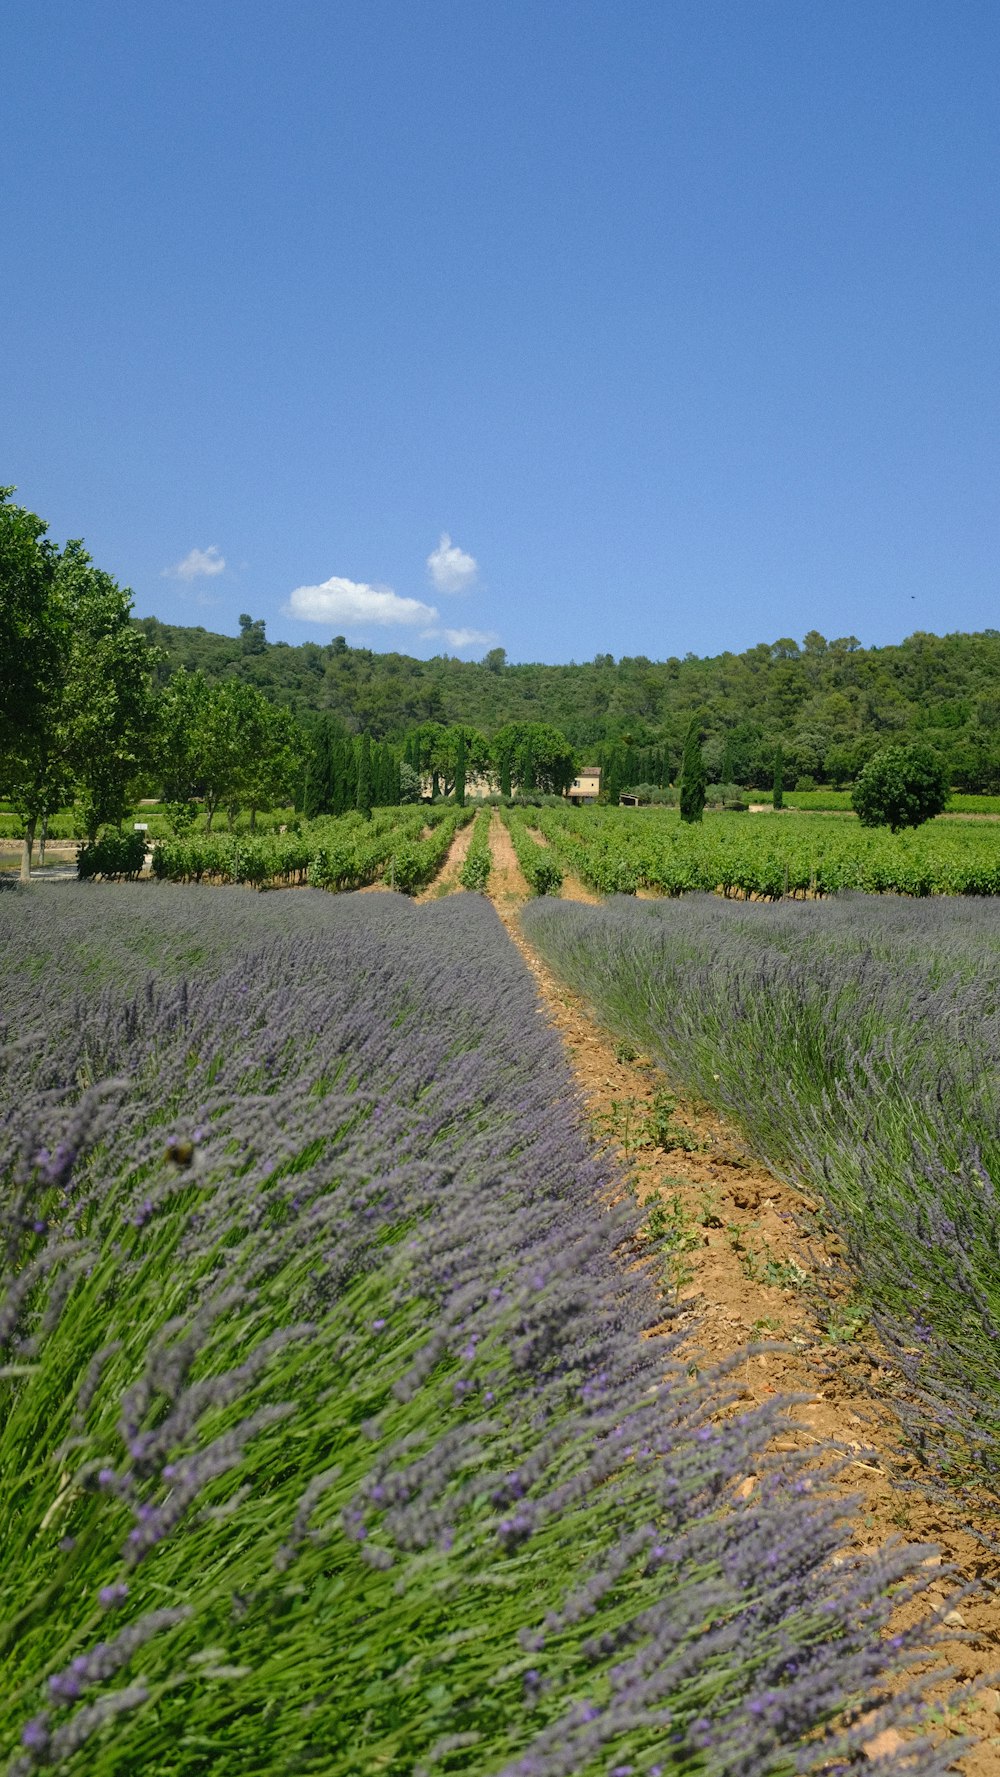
<point x="330" y="1437"/>
<point x="856" y="1042"/>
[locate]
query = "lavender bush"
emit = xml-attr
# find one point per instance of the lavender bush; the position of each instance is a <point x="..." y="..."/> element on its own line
<point x="857" y="1043"/>
<point x="330" y="1437"/>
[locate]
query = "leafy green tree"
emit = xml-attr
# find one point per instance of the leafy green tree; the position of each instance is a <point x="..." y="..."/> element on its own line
<point x="778" y="798"/>
<point x="108" y="714"/>
<point x="82" y="720"/>
<point x="535" y="748"/>
<point x="252" y="637"/>
<point x="180" y="721"/>
<point x="900" y="787"/>
<point x="31" y="640"/>
<point x="273" y="755"/>
<point x="694" y="780"/>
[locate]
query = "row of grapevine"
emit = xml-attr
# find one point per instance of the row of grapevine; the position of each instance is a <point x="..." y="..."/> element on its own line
<point x="475" y="873"/>
<point x="345" y="852"/>
<point x="539" y="863"/>
<point x="619" y="850"/>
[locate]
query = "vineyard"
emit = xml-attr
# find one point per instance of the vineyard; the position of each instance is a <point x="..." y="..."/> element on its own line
<point x="617" y="851"/>
<point x="404" y="847"/>
<point x="333" y="1438"/>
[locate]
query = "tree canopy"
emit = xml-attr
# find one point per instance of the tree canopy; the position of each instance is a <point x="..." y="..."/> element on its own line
<point x="830" y="705"/>
<point x="900" y="787"/>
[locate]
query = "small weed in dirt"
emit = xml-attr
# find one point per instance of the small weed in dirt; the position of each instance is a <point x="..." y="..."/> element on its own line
<point x="708" y="1214"/>
<point x="634" y="1124"/>
<point x="668" y="1226"/>
<point x="759" y="1265"/>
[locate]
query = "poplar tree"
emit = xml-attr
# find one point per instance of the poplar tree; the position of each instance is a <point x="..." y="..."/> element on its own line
<point x="694" y="780"/>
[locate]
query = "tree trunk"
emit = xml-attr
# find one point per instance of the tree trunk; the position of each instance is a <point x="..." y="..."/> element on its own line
<point x="253" y="820"/>
<point x="26" y="849"/>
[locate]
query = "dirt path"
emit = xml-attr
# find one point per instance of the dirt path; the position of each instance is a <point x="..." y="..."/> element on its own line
<point x="745" y="1264"/>
<point x="446" y="882"/>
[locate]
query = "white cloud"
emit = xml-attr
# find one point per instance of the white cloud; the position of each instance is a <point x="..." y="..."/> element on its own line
<point x="464" y="638"/>
<point x="196" y="563"/>
<point x="353" y="604"/>
<point x="450" y="568"/>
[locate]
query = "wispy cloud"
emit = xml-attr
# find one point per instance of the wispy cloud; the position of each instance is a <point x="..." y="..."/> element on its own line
<point x="196" y="563"/>
<point x="355" y="605"/>
<point x="467" y="638"/>
<point x="450" y="568"/>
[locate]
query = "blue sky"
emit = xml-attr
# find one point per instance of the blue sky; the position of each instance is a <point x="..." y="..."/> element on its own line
<point x="631" y="328"/>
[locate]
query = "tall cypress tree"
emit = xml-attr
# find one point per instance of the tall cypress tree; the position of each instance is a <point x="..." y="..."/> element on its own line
<point x="612" y="778"/>
<point x="363" y="794"/>
<point x="460" y="769"/>
<point x="694" y="779"/>
<point x="779" y="776"/>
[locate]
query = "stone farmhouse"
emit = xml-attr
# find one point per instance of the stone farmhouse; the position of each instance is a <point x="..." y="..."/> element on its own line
<point x="586" y="787"/>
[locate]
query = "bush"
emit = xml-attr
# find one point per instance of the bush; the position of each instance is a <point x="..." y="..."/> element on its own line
<point x="116" y="855"/>
<point x="900" y="787"/>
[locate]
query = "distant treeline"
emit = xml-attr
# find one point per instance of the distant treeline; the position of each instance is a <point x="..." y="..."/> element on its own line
<point x="828" y="704"/>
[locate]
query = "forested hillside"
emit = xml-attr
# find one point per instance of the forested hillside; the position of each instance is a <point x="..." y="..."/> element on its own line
<point x="829" y="704"/>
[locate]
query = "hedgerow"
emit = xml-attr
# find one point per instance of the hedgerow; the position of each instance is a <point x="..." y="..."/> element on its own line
<point x="330" y="1437"/>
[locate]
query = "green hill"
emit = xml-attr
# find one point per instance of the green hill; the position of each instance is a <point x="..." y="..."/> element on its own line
<point x="829" y="702"/>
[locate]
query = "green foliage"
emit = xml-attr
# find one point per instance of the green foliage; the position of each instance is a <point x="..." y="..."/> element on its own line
<point x="828" y="703"/>
<point x="76" y="711"/>
<point x="778" y="794"/>
<point x="409" y="783"/>
<point x="117" y="856"/>
<point x="30" y="633"/>
<point x="475" y="872"/>
<point x="694" y="780"/>
<point x="460" y="756"/>
<point x="900" y="787"/>
<point x="363" y="796"/>
<point x="346" y="852"/>
<point x="538" y="862"/>
<point x="617" y="851"/>
<point x="533" y="756"/>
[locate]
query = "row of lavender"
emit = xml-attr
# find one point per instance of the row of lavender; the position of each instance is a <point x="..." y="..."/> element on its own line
<point x="857" y="1043"/>
<point x="330" y="1439"/>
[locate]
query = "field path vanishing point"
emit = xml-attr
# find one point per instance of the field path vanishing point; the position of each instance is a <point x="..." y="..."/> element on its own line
<point x="741" y="1224"/>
